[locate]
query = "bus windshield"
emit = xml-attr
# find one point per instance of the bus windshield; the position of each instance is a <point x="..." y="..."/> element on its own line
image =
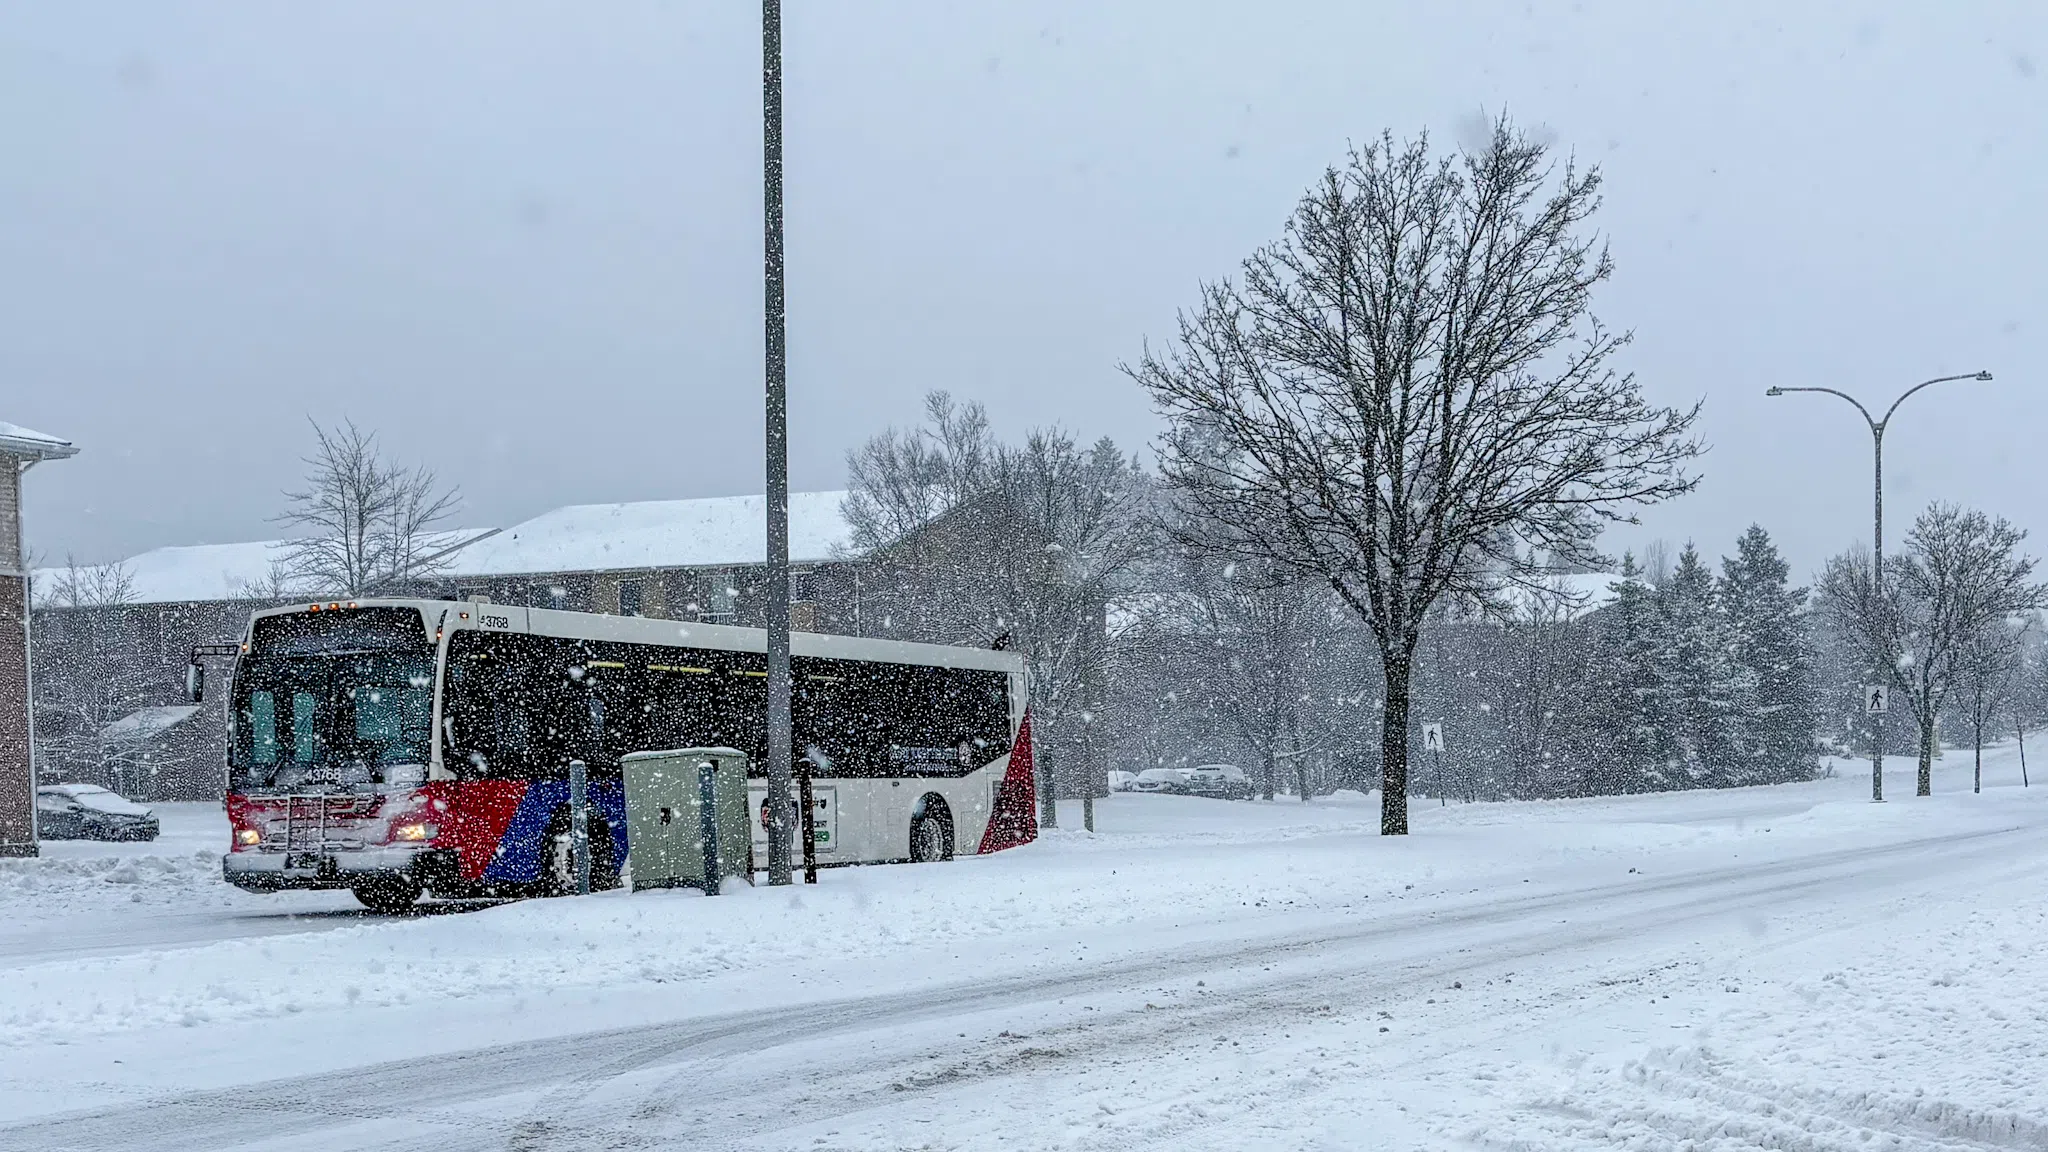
<point x="332" y="707"/>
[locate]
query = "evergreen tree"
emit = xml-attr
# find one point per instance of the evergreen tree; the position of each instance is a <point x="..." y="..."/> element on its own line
<point x="1708" y="696"/>
<point x="1768" y="630"/>
<point x="1627" y="701"/>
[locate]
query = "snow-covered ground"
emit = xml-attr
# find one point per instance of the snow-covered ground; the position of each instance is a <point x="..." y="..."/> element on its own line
<point x="86" y="897"/>
<point x="1785" y="968"/>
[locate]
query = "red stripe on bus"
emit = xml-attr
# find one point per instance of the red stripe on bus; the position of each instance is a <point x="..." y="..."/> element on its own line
<point x="480" y="812"/>
<point x="1014" y="820"/>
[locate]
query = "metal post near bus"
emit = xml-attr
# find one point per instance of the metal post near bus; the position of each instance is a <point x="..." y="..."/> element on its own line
<point x="579" y="826"/>
<point x="777" y="495"/>
<point x="808" y="825"/>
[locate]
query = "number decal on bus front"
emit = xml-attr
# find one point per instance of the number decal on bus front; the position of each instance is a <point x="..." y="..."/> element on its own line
<point x="494" y="621"/>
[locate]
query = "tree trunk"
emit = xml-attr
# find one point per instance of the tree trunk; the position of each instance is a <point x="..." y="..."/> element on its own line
<point x="1394" y="749"/>
<point x="1926" y="759"/>
<point x="1300" y="758"/>
<point x="1048" y="791"/>
<point x="2022" y="726"/>
<point x="1266" y="774"/>
<point x="1977" y="783"/>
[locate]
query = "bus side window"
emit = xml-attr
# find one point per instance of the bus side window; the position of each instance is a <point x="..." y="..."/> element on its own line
<point x="834" y="711"/>
<point x="965" y="710"/>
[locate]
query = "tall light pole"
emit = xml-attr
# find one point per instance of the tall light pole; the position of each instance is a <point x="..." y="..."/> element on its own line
<point x="777" y="498"/>
<point x="1877" y="427"/>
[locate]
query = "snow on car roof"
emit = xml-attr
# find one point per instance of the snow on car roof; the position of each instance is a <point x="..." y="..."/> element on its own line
<point x="657" y="534"/>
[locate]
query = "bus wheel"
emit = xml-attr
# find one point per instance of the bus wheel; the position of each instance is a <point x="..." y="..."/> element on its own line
<point x="558" y="866"/>
<point x="931" y="838"/>
<point x="389" y="896"/>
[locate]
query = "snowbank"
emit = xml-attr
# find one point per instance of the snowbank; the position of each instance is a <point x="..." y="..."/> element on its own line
<point x="1158" y="865"/>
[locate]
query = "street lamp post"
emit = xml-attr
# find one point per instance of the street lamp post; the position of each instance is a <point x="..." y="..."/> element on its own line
<point x="1877" y="427"/>
<point x="776" y="497"/>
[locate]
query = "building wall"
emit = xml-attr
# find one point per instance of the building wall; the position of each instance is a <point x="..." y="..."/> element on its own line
<point x="17" y="792"/>
<point x="95" y="664"/>
<point x="10" y="514"/>
<point x="17" y="797"/>
<point x="822" y="595"/>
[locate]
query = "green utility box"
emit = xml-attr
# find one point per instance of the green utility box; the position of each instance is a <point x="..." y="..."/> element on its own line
<point x="686" y="818"/>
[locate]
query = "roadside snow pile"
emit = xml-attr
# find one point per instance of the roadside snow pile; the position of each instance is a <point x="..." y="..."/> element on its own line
<point x="50" y="886"/>
<point x="179" y="870"/>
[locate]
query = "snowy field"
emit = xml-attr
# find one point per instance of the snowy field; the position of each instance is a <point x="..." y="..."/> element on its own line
<point x="1775" y="968"/>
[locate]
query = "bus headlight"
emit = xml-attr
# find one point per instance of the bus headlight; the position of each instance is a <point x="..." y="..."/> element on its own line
<point x="248" y="837"/>
<point x="413" y="832"/>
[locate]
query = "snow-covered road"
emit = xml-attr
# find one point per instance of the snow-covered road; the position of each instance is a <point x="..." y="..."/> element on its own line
<point x="1779" y="968"/>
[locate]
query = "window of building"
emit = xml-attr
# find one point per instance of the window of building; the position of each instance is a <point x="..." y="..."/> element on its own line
<point x="718" y="603"/>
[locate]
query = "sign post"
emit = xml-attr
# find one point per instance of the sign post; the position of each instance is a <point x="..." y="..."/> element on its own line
<point x="1877" y="700"/>
<point x="1433" y="740"/>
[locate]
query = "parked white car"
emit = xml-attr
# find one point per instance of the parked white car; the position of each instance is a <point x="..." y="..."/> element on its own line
<point x="1226" y="781"/>
<point x="1160" y="780"/>
<point x="1120" y="781"/>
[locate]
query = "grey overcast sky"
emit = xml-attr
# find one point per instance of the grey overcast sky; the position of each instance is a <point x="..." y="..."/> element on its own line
<point x="522" y="241"/>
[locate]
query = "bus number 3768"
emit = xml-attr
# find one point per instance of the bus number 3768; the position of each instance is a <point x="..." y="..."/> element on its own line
<point x="403" y="747"/>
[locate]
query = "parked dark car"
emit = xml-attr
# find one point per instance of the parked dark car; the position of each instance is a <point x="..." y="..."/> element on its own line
<point x="89" y="812"/>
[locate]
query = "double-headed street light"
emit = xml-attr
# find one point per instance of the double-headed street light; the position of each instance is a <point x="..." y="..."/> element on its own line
<point x="1877" y="427"/>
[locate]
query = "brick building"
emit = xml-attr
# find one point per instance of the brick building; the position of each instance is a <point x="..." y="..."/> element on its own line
<point x="20" y="450"/>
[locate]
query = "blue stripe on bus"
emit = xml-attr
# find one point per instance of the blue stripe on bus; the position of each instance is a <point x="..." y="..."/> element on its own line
<point x="518" y="858"/>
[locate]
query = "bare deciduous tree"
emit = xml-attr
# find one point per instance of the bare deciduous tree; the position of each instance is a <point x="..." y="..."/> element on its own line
<point x="900" y="481"/>
<point x="967" y="539"/>
<point x="1988" y="670"/>
<point x="369" y="523"/>
<point x="1409" y="390"/>
<point x="1262" y="619"/>
<point x="92" y="585"/>
<point x="1962" y="573"/>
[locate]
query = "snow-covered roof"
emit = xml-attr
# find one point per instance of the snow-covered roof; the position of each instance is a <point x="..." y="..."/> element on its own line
<point x="146" y="723"/>
<point x="18" y="441"/>
<point x="183" y="573"/>
<point x="720" y="531"/>
<point x="203" y="572"/>
<point x="724" y="530"/>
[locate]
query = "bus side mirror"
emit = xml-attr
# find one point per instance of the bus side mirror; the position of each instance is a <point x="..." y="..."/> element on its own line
<point x="195" y="681"/>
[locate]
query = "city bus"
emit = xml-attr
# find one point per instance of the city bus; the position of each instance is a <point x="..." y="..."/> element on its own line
<point x="398" y="748"/>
